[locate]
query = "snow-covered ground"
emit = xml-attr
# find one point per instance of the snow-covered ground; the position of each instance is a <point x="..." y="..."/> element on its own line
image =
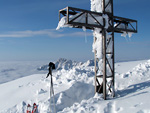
<point x="74" y="88"/>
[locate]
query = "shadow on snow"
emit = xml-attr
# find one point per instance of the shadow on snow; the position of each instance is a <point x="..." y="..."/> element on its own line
<point x="134" y="88"/>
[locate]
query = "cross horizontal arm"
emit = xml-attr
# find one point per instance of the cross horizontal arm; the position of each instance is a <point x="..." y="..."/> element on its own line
<point x="76" y="10"/>
<point x="78" y="18"/>
<point x="124" y="24"/>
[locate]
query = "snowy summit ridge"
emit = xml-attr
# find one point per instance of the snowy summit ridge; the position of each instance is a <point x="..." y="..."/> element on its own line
<point x="62" y="63"/>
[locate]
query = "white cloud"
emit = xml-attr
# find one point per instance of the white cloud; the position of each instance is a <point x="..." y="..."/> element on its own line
<point x="52" y="33"/>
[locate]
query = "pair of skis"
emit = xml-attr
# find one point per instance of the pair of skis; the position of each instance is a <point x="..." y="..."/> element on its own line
<point x="32" y="110"/>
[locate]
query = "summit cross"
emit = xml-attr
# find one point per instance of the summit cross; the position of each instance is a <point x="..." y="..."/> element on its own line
<point x="104" y="24"/>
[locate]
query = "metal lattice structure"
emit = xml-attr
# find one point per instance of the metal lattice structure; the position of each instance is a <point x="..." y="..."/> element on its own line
<point x="104" y="83"/>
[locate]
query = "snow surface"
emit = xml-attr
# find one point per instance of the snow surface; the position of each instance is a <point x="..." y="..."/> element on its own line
<point x="74" y="90"/>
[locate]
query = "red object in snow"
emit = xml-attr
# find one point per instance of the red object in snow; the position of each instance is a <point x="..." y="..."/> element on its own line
<point x="29" y="108"/>
<point x="34" y="110"/>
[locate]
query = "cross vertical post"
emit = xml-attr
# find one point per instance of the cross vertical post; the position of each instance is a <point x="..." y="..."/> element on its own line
<point x="105" y="82"/>
<point x="104" y="63"/>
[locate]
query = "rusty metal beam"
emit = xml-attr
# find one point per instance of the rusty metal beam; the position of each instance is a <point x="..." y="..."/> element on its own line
<point x="70" y="11"/>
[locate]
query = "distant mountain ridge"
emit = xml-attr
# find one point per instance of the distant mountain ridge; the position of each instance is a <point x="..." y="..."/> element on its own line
<point x="63" y="63"/>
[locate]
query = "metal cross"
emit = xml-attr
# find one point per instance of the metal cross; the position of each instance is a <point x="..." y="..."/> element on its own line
<point x="104" y="83"/>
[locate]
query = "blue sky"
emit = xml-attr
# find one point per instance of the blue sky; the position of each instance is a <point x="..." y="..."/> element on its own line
<point x="27" y="31"/>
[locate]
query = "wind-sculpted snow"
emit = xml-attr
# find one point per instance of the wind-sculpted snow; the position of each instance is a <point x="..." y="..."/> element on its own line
<point x="138" y="74"/>
<point x="75" y="94"/>
<point x="74" y="91"/>
<point x="67" y="64"/>
<point x="132" y="94"/>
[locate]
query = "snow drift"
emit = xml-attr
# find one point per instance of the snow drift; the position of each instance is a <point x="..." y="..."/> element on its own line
<point x="74" y="91"/>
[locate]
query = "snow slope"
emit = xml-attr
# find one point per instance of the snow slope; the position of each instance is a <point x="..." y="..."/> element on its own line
<point x="74" y="91"/>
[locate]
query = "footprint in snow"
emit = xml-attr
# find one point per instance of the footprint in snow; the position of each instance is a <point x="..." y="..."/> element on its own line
<point x="144" y="111"/>
<point x="20" y="86"/>
<point x="30" y="84"/>
<point x="41" y="91"/>
<point x="137" y="105"/>
<point x="119" y="109"/>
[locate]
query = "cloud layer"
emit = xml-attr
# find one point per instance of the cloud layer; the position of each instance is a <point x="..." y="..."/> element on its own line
<point x="52" y="33"/>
